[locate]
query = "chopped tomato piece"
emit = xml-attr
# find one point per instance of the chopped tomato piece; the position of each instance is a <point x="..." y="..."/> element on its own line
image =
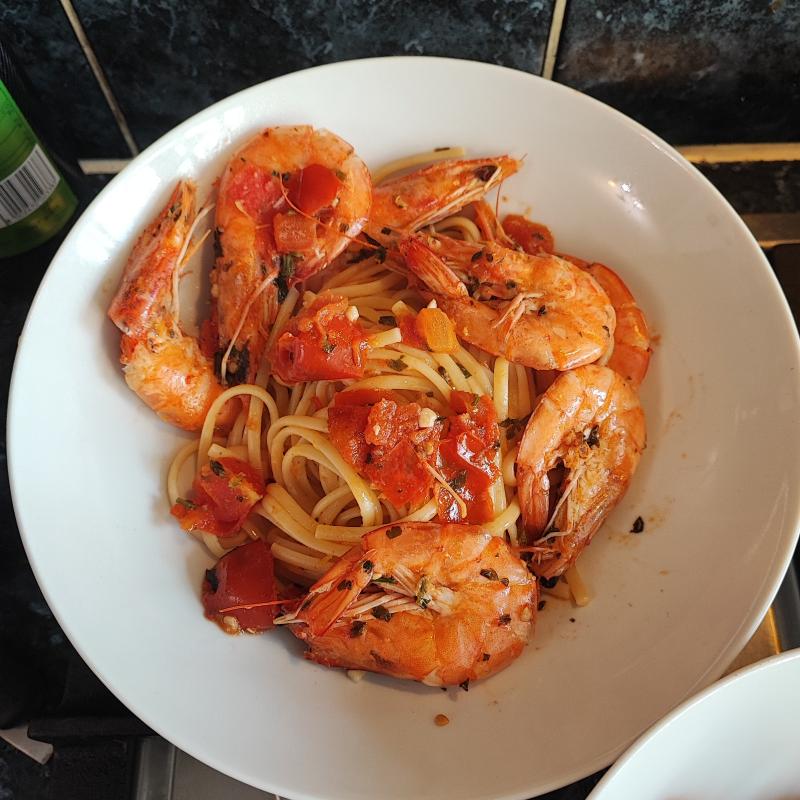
<point x="294" y="233"/>
<point x="530" y="236"/>
<point x="389" y="422"/>
<point x="467" y="458"/>
<point x="225" y="492"/>
<point x="476" y="414"/>
<point x="313" y="188"/>
<point x="400" y="474"/>
<point x="346" y="425"/>
<point x="408" y="330"/>
<point x="383" y="441"/>
<point x="255" y="192"/>
<point x="320" y="343"/>
<point x="244" y="577"/>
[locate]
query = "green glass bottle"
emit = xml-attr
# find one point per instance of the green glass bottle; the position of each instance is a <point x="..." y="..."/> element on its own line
<point x="35" y="200"/>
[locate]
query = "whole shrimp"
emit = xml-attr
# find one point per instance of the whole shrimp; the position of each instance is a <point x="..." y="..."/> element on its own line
<point x="630" y="354"/>
<point x="289" y="202"/>
<point x="540" y="311"/>
<point x="164" y="366"/>
<point x="590" y="423"/>
<point x="409" y="202"/>
<point x="440" y="604"/>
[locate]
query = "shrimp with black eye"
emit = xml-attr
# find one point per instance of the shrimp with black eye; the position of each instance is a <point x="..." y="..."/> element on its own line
<point x="537" y="310"/>
<point x="590" y="424"/>
<point x="443" y="604"/>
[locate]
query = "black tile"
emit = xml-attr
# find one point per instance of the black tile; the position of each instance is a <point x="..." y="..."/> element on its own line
<point x="46" y="46"/>
<point x="760" y="187"/>
<point x="166" y="60"/>
<point x="692" y="70"/>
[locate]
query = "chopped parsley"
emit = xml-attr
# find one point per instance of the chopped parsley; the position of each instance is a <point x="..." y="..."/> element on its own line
<point x="397" y="364"/>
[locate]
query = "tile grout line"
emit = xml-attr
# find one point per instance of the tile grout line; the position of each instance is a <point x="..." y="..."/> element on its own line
<point x="100" y="77"/>
<point x="553" y="39"/>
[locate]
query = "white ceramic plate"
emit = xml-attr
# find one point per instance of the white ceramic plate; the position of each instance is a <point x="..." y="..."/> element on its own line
<point x="718" y="485"/>
<point x="735" y="741"/>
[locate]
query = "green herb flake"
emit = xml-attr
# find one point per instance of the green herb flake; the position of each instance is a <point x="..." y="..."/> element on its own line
<point x="385" y="579"/>
<point x="511" y="284"/>
<point x="489" y="574"/>
<point x="505" y="619"/>
<point x="485" y="657"/>
<point x="217" y="468"/>
<point x="387" y="319"/>
<point x="638" y="525"/>
<point x="357" y="628"/>
<point x="344" y="586"/>
<point x="340" y="175"/>
<point x="465" y="685"/>
<point x="394" y="532"/>
<point x="464" y="371"/>
<point x="182" y="501"/>
<point x="593" y="439"/>
<point x="397" y="364"/>
<point x="367" y="566"/>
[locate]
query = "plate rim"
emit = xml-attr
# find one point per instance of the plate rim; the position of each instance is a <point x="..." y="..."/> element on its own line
<point x="687" y="707"/>
<point x="781" y="558"/>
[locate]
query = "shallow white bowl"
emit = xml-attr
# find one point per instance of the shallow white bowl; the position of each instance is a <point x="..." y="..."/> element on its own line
<point x="717" y="487"/>
<point x="737" y="740"/>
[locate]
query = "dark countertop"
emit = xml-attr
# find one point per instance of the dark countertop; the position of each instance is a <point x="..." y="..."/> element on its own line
<point x="31" y="641"/>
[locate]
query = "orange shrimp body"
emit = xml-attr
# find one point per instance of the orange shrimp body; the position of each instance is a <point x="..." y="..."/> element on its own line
<point x="589" y="422"/>
<point x="450" y="603"/>
<point x="631" y="355"/>
<point x="425" y="196"/>
<point x="163" y="365"/>
<point x="289" y="202"/>
<point x="536" y="310"/>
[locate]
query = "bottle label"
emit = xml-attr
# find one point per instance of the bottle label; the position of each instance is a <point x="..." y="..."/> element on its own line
<point x="27" y="188"/>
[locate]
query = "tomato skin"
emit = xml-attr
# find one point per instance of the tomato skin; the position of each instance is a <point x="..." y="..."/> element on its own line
<point x="244" y="576"/>
<point x="346" y="424"/>
<point x="257" y="191"/>
<point x="408" y="330"/>
<point x="313" y="188"/>
<point x="400" y="474"/>
<point x="532" y="237"/>
<point x="224" y="492"/>
<point x="294" y="233"/>
<point x="467" y="458"/>
<point x="320" y="343"/>
<point x="389" y="422"/>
